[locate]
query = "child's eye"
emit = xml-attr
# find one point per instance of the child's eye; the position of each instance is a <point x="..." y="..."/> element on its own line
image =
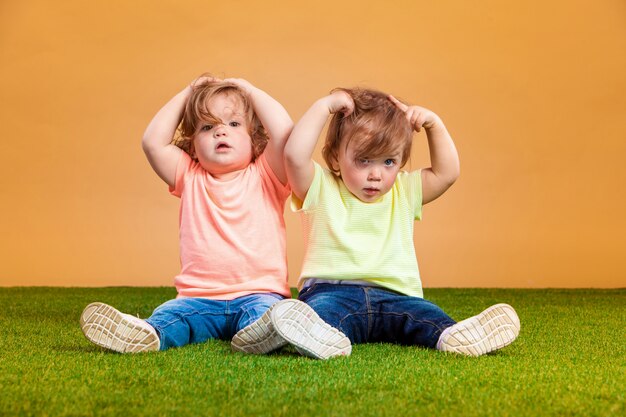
<point x="390" y="162"/>
<point x="206" y="128"/>
<point x="363" y="161"/>
<point x="234" y="124"/>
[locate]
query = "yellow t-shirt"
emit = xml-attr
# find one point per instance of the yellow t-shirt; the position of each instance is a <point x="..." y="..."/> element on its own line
<point x="347" y="239"/>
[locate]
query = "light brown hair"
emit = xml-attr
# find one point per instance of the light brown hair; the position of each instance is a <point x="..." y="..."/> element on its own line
<point x="197" y="113"/>
<point x="376" y="126"/>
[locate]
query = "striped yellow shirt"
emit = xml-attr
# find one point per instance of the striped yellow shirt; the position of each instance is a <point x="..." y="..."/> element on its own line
<point x="347" y="239"/>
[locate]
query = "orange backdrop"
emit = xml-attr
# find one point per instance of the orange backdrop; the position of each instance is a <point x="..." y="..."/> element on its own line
<point x="534" y="94"/>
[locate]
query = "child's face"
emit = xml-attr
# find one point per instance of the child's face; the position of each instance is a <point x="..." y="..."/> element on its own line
<point x="368" y="179"/>
<point x="225" y="147"/>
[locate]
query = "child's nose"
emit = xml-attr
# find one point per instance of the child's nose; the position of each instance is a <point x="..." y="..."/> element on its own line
<point x="374" y="175"/>
<point x="220" y="131"/>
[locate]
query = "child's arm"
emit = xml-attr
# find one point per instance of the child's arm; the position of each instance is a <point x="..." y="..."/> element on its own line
<point x="444" y="158"/>
<point x="161" y="153"/>
<point x="301" y="144"/>
<point x="276" y="121"/>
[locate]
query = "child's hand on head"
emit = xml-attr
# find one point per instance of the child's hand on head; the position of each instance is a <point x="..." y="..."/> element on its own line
<point x="204" y="79"/>
<point x="241" y="83"/>
<point x="417" y="116"/>
<point x="340" y="102"/>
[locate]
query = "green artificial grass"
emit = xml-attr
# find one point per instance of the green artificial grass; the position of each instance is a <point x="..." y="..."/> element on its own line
<point x="570" y="359"/>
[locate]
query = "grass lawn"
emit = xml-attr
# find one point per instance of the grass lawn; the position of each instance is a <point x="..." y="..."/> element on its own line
<point x="570" y="359"/>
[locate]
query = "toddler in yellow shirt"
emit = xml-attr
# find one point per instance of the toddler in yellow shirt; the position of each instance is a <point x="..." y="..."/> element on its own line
<point x="360" y="275"/>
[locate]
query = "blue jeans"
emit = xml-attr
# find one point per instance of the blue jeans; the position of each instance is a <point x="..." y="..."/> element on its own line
<point x="194" y="320"/>
<point x="374" y="314"/>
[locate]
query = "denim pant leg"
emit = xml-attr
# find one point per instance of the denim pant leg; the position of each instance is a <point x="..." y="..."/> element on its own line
<point x="250" y="308"/>
<point x="189" y="320"/>
<point x="405" y="320"/>
<point x="341" y="306"/>
<point x="372" y="314"/>
<point x="183" y="321"/>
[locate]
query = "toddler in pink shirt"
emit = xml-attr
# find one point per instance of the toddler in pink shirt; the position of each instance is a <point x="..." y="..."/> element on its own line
<point x="227" y="169"/>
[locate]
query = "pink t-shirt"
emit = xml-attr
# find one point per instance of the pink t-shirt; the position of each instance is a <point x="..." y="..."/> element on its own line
<point x="232" y="233"/>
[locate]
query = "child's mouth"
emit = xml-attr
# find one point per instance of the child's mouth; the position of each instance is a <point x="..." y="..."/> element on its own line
<point x="371" y="191"/>
<point x="222" y="146"/>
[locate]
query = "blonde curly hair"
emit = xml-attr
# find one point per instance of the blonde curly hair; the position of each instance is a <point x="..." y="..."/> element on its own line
<point x="197" y="113"/>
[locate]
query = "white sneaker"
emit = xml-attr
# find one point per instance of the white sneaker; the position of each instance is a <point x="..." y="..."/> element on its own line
<point x="259" y="337"/>
<point x="493" y="329"/>
<point x="111" y="329"/>
<point x="300" y="325"/>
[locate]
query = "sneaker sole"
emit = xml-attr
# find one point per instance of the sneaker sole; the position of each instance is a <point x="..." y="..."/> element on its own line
<point x="259" y="337"/>
<point x="493" y="329"/>
<point x="300" y="325"/>
<point x="106" y="327"/>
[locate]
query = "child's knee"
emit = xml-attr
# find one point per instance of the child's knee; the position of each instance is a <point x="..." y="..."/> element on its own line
<point x="253" y="310"/>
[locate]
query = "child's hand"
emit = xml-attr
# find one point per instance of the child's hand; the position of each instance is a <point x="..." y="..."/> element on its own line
<point x="417" y="116"/>
<point x="241" y="83"/>
<point x="340" y="102"/>
<point x="203" y="79"/>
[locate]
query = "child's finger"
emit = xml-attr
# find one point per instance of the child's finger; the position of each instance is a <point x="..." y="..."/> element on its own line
<point x="204" y="79"/>
<point x="347" y="104"/>
<point x="412" y="115"/>
<point x="398" y="103"/>
<point x="419" y="121"/>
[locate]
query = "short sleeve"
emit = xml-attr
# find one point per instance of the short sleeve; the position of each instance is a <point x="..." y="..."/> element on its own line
<point x="183" y="166"/>
<point x="312" y="195"/>
<point x="412" y="184"/>
<point x="282" y="190"/>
